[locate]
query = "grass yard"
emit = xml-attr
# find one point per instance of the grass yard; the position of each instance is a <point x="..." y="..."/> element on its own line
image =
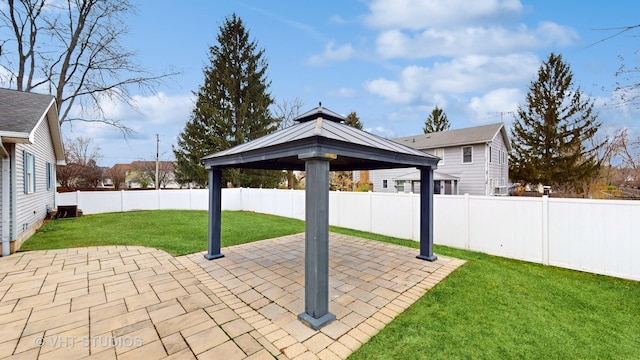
<point x="489" y="308"/>
<point x="177" y="232"/>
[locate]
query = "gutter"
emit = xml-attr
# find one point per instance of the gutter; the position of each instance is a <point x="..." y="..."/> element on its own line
<point x="6" y="206"/>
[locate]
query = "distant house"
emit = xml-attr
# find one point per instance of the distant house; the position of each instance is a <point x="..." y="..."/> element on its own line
<point x="139" y="174"/>
<point x="473" y="161"/>
<point x="31" y="147"/>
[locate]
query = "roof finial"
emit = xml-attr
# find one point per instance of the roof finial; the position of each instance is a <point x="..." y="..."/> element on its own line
<point x="319" y="104"/>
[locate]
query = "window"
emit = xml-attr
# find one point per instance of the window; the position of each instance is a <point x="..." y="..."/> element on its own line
<point x="400" y="185"/>
<point x="29" y="172"/>
<point x="490" y="154"/>
<point x="384" y="184"/>
<point x="467" y="154"/>
<point x="51" y="183"/>
<point x="439" y="153"/>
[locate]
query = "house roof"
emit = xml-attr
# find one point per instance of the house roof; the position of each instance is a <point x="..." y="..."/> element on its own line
<point x="320" y="132"/>
<point x="22" y="112"/>
<point x="467" y="136"/>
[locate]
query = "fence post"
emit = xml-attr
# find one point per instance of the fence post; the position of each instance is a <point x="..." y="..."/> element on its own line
<point x="467" y="240"/>
<point x="545" y="230"/>
<point x="370" y="207"/>
<point x="121" y="200"/>
<point x="413" y="225"/>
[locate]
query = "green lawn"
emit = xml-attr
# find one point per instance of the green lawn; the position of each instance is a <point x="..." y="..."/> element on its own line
<point x="490" y="308"/>
<point x="177" y="232"/>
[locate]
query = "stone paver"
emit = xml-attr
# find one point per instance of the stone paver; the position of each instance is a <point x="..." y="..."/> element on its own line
<point x="131" y="302"/>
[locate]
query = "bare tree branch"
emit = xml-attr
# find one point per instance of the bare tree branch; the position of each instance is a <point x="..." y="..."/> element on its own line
<point x="71" y="48"/>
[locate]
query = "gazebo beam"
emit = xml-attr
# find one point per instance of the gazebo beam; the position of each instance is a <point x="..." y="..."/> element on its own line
<point x="215" y="212"/>
<point x="426" y="214"/>
<point x="316" y="250"/>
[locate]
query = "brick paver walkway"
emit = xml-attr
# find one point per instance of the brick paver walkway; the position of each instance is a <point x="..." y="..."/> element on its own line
<point x="128" y="302"/>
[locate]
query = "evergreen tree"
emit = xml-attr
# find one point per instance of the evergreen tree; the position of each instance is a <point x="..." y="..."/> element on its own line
<point x="232" y="107"/>
<point x="437" y="121"/>
<point x="550" y="135"/>
<point x="353" y="120"/>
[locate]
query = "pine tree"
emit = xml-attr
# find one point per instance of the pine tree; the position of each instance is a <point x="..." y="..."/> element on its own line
<point x="437" y="121"/>
<point x="232" y="107"/>
<point x="353" y="120"/>
<point x="550" y="135"/>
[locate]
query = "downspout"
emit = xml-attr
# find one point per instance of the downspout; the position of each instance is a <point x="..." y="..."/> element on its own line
<point x="6" y="206"/>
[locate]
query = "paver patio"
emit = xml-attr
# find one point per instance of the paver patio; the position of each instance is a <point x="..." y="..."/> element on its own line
<point x="126" y="302"/>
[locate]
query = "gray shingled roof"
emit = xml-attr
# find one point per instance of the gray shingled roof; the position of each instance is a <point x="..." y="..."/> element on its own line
<point x="466" y="136"/>
<point x="20" y="111"/>
<point x="355" y="149"/>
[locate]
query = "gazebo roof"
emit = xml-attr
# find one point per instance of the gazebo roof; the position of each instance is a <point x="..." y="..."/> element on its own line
<point x="320" y="132"/>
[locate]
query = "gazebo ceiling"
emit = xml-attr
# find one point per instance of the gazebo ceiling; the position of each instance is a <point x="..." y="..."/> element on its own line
<point x="320" y="132"/>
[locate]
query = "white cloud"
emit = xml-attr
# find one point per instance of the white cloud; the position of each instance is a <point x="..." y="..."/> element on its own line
<point x="420" y="14"/>
<point x="462" y="75"/>
<point x="160" y="114"/>
<point x="382" y="131"/>
<point x="163" y="109"/>
<point x="390" y="90"/>
<point x="496" y="105"/>
<point x="471" y="40"/>
<point x="343" y="93"/>
<point x="332" y="52"/>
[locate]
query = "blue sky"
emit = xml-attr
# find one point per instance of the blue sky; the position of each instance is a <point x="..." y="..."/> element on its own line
<point x="390" y="61"/>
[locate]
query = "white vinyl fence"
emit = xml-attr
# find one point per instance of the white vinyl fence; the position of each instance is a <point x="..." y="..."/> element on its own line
<point x="598" y="236"/>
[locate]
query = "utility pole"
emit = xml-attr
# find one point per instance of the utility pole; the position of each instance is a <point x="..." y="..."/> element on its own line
<point x="157" y="161"/>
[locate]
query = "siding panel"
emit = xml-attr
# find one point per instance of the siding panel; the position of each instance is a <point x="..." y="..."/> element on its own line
<point x="32" y="208"/>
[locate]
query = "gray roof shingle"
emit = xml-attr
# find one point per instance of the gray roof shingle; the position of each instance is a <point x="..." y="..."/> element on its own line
<point x="20" y="111"/>
<point x="466" y="136"/>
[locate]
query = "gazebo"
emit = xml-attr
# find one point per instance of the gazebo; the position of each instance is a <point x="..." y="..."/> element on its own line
<point x="319" y="143"/>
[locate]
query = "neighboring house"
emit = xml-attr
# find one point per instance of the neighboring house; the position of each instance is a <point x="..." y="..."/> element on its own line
<point x="473" y="161"/>
<point x="31" y="147"/>
<point x="140" y="174"/>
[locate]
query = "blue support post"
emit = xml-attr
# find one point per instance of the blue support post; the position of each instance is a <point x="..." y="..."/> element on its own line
<point x="316" y="251"/>
<point x="215" y="210"/>
<point x="426" y="215"/>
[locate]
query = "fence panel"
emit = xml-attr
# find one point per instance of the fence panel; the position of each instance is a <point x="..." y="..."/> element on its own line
<point x="601" y="236"/>
<point x="508" y="227"/>
<point x="392" y="215"/>
<point x="449" y="219"/>
<point x="350" y="210"/>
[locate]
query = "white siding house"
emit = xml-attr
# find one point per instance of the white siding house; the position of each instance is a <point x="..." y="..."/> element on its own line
<point x="473" y="161"/>
<point x="31" y="147"/>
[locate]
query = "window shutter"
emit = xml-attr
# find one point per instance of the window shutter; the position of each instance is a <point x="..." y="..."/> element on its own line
<point x="24" y="171"/>
<point x="33" y="180"/>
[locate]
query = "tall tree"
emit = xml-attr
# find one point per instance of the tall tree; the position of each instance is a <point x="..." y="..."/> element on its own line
<point x="353" y="120"/>
<point x="72" y="49"/>
<point x="232" y="107"/>
<point x="82" y="169"/>
<point x="436" y="121"/>
<point x="551" y="133"/>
